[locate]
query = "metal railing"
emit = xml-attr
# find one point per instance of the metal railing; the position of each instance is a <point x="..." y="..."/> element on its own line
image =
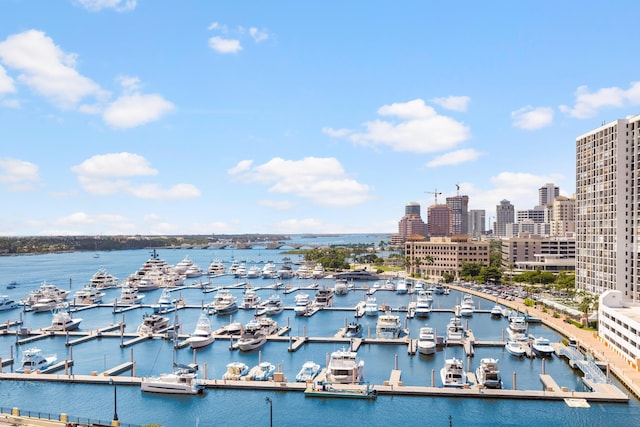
<point x="71" y="419"/>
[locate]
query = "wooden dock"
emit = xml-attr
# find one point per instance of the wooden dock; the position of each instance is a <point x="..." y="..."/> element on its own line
<point x="127" y="366"/>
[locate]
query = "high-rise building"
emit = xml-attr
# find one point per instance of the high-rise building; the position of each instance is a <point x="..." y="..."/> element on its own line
<point x="477" y="223"/>
<point x="547" y="194"/>
<point x="439" y="220"/>
<point x="410" y="223"/>
<point x="504" y="215"/>
<point x="459" y="214"/>
<point x="563" y="217"/>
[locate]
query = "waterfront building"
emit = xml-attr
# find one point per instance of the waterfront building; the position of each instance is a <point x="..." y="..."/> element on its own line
<point x="534" y="252"/>
<point x="477" y="221"/>
<point x="459" y="214"/>
<point x="440" y="255"/>
<point x="410" y="223"/>
<point x="619" y="324"/>
<point x="439" y="220"/>
<point x="504" y="216"/>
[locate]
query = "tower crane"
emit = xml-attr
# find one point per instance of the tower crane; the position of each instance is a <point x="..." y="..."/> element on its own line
<point x="435" y="194"/>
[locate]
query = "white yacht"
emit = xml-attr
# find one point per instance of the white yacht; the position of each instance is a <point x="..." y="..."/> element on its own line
<point x="515" y="347"/>
<point x="517" y="324"/>
<point x="130" y="296"/>
<point x="272" y="306"/>
<point x="152" y="324"/>
<point x="542" y="347"/>
<point x="488" y="373"/>
<point x="452" y="373"/>
<point x="33" y="360"/>
<point x="285" y="271"/>
<point x="402" y="286"/>
<point x="216" y="268"/>
<point x="224" y="303"/>
<point x="7" y="303"/>
<point x="165" y="302"/>
<point x="241" y="270"/>
<point x="353" y="330"/>
<point x="345" y="367"/>
<point x="262" y="372"/>
<point x="62" y="321"/>
<point x="254" y="272"/>
<point x="48" y="304"/>
<point x="202" y="335"/>
<point x="269" y="271"/>
<point x="45" y="291"/>
<point x="88" y="296"/>
<point x="423" y="304"/>
<point x="341" y="287"/>
<point x="318" y="271"/>
<point x="388" y="326"/>
<point x="235" y="371"/>
<point x="194" y="271"/>
<point x="303" y="304"/>
<point x="250" y="300"/>
<point x="183" y="266"/>
<point x="426" y="340"/>
<point x="181" y="381"/>
<point x="308" y="372"/>
<point x="303" y="272"/>
<point x="371" y="306"/>
<point x="102" y="279"/>
<point x="252" y="338"/>
<point x="496" y="311"/>
<point x="467" y="306"/>
<point x="455" y="330"/>
<point x="324" y="298"/>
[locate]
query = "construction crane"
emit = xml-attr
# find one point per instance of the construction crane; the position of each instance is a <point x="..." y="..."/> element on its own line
<point x="435" y="194"/>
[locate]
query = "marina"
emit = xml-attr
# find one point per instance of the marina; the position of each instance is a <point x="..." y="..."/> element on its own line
<point x="392" y="367"/>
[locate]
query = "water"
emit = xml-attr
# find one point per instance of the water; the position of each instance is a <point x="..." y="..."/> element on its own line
<point x="249" y="408"/>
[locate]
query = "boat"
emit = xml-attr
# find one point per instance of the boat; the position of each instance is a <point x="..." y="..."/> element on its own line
<point x="467" y="306"/>
<point x="371" y="306"/>
<point x="269" y="271"/>
<point x="7" y="303"/>
<point x="345" y="367"/>
<point x="402" y="286"/>
<point x="183" y="266"/>
<point x="233" y="267"/>
<point x="272" y="306"/>
<point x="164" y="303"/>
<point x="515" y="348"/>
<point x="233" y="328"/>
<point x="33" y="360"/>
<point x="102" y="279"/>
<point x="303" y="272"/>
<point x="446" y="291"/>
<point x="88" y="296"/>
<point x="318" y="271"/>
<point x="252" y="338"/>
<point x="152" y="324"/>
<point x="496" y="312"/>
<point x="423" y="303"/>
<point x="360" y="275"/>
<point x="308" y="371"/>
<point x="452" y="373"/>
<point x="285" y="271"/>
<point x="426" y="341"/>
<point x="324" y="297"/>
<point x="46" y="291"/>
<point x="235" y="371"/>
<point x="341" y="287"/>
<point x="48" y="304"/>
<point x="12" y="285"/>
<point x="216" y="268"/>
<point x="130" y="296"/>
<point x="224" y="303"/>
<point x="253" y="272"/>
<point x="517" y="324"/>
<point x="438" y="289"/>
<point x="194" y="271"/>
<point x="303" y="304"/>
<point x="62" y="321"/>
<point x="250" y="300"/>
<point x="353" y="330"/>
<point x="541" y="347"/>
<point x="241" y="270"/>
<point x="262" y="372"/>
<point x="202" y="335"/>
<point x="326" y="389"/>
<point x="181" y="381"/>
<point x="388" y="326"/>
<point x="455" y="330"/>
<point x="488" y="373"/>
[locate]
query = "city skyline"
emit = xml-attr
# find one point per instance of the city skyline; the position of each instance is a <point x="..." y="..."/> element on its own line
<point x="139" y="117"/>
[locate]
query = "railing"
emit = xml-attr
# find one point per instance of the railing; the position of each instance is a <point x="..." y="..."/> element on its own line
<point x="71" y="419"/>
<point x="585" y="364"/>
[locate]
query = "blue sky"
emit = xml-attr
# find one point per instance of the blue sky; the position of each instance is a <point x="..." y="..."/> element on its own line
<point x="198" y="117"/>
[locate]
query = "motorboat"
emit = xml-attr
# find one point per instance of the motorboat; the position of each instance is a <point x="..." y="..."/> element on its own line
<point x="12" y="285"/>
<point x="194" y="271"/>
<point x="269" y="271"/>
<point x="252" y="338"/>
<point x="308" y="372"/>
<point x="88" y="296"/>
<point x="250" y="300"/>
<point x="262" y="372"/>
<point x="241" y="270"/>
<point x="515" y="348"/>
<point x="517" y="324"/>
<point x="152" y="324"/>
<point x="496" y="312"/>
<point x="467" y="306"/>
<point x="233" y="328"/>
<point x="102" y="279"/>
<point x="371" y="306"/>
<point x="488" y="373"/>
<point x="62" y="321"/>
<point x="438" y="289"/>
<point x="388" y="326"/>
<point x="164" y="303"/>
<point x="426" y="341"/>
<point x="7" y="303"/>
<point x="455" y="330"/>
<point x="48" y="304"/>
<point x="541" y="347"/>
<point x="224" y="303"/>
<point x="181" y="381"/>
<point x="452" y="373"/>
<point x="324" y="297"/>
<point x="233" y="267"/>
<point x="345" y="367"/>
<point x="130" y="296"/>
<point x="202" y="335"/>
<point x="183" y="266"/>
<point x="402" y="286"/>
<point x="266" y="324"/>
<point x="33" y="360"/>
<point x="253" y="272"/>
<point x="423" y="304"/>
<point x="353" y="330"/>
<point x="285" y="271"/>
<point x="46" y="291"/>
<point x="318" y="271"/>
<point x="272" y="306"/>
<point x="303" y="272"/>
<point x="235" y="371"/>
<point x="341" y="287"/>
<point x="216" y="268"/>
<point x="303" y="304"/>
<point x="446" y="291"/>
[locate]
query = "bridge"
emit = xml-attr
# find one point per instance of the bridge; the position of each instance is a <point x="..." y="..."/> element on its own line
<point x="586" y="364"/>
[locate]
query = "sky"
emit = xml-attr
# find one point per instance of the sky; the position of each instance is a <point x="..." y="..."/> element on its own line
<point x="160" y="117"/>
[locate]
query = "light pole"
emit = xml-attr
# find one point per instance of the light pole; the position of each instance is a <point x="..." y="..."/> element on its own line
<point x="115" y="400"/>
<point x="268" y="400"/>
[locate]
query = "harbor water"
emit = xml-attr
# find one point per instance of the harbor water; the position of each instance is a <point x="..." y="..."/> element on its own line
<point x="251" y="408"/>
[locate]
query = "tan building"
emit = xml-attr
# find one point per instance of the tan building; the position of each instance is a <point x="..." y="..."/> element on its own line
<point x="439" y="220"/>
<point x="563" y="216"/>
<point x="410" y="223"/>
<point x="441" y="255"/>
<point x="533" y="252"/>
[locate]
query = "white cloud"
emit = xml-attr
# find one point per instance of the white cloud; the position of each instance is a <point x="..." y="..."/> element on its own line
<point x="46" y="69"/>
<point x="134" y="109"/>
<point x="258" y="35"/>
<point x="242" y="166"/>
<point x="105" y="174"/>
<point x="98" y="5"/>
<point x="221" y="45"/>
<point x="6" y="82"/>
<point x="82" y="219"/>
<point x="321" y="180"/>
<point x="420" y="129"/>
<point x="454" y="158"/>
<point x="281" y="205"/>
<point x="530" y="118"/>
<point x="336" y="133"/>
<point x="18" y="175"/>
<point x="588" y="103"/>
<point x="454" y="103"/>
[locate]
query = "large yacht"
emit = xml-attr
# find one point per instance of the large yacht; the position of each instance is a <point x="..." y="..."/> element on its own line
<point x="216" y="268"/>
<point x="467" y="306"/>
<point x="152" y="324"/>
<point x="250" y="300"/>
<point x="181" y="381"/>
<point x="224" y="303"/>
<point x="303" y="304"/>
<point x="33" y="360"/>
<point x="488" y="373"/>
<point x="345" y="367"/>
<point x="455" y="330"/>
<point x="426" y="340"/>
<point x="62" y="321"/>
<point x="272" y="306"/>
<point x="371" y="306"/>
<point x="88" y="296"/>
<point x="102" y="279"/>
<point x="423" y="303"/>
<point x="324" y="297"/>
<point x="452" y="373"/>
<point x="202" y="335"/>
<point x="388" y="326"/>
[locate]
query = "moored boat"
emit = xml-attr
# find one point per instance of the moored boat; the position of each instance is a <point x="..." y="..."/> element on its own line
<point x="488" y="373"/>
<point x="345" y="367"/>
<point x="426" y="340"/>
<point x="202" y="335"/>
<point x="7" y="303"/>
<point x="452" y="373"/>
<point x="262" y="372"/>
<point x="33" y="360"/>
<point x="62" y="321"/>
<point x="308" y="371"/>
<point x="235" y="371"/>
<point x="152" y="324"/>
<point x="181" y="381"/>
<point x="388" y="326"/>
<point x="542" y="347"/>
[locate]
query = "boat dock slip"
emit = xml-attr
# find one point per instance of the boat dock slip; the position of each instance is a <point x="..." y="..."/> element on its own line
<point x="548" y="383"/>
<point x="34" y="338"/>
<point x="127" y="366"/>
<point x="295" y="345"/>
<point x="6" y="325"/>
<point x="65" y="364"/>
<point x="394" y="379"/>
<point x="136" y="341"/>
<point x="6" y="362"/>
<point x="360" y="309"/>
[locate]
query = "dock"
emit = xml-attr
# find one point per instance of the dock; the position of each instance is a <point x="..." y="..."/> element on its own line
<point x="127" y="366"/>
